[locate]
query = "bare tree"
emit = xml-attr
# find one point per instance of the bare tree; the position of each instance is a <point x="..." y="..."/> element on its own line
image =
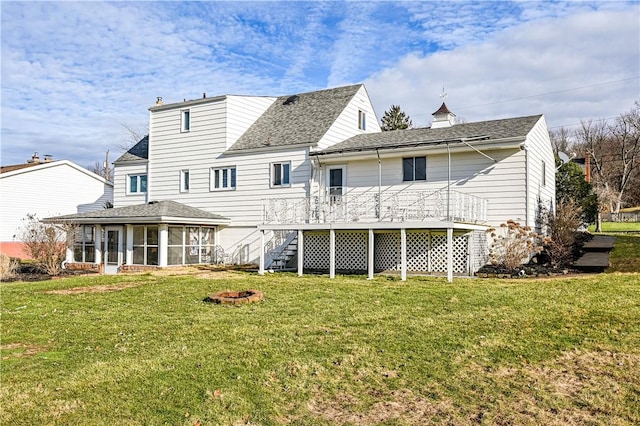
<point x="560" y="140"/>
<point x="47" y="243"/>
<point x="133" y="136"/>
<point x="102" y="169"/>
<point x="614" y="151"/>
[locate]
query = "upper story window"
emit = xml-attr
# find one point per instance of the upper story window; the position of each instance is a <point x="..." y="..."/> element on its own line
<point x="362" y="120"/>
<point x="137" y="184"/>
<point x="223" y="178"/>
<point x="280" y="174"/>
<point x="184" y="181"/>
<point x="186" y="120"/>
<point x="544" y="173"/>
<point x="414" y="168"/>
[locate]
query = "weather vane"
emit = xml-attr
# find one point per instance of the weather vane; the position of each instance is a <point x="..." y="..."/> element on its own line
<point x="443" y="95"/>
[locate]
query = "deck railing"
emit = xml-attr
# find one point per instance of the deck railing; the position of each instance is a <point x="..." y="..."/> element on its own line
<point x="372" y="207"/>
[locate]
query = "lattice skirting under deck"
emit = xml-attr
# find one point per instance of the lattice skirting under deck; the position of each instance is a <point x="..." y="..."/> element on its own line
<point x="426" y="251"/>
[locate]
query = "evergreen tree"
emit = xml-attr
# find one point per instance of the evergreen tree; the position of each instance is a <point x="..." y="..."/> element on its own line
<point x="571" y="185"/>
<point x="395" y="119"/>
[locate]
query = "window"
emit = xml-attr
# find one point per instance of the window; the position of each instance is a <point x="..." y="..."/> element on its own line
<point x="544" y="173"/>
<point x="84" y="244"/>
<point x="190" y="245"/>
<point x="184" y="180"/>
<point x="186" y="120"/>
<point x="223" y="178"/>
<point x="137" y="184"/>
<point x="280" y="174"/>
<point x="414" y="168"/>
<point x="145" y="245"/>
<point x="362" y="120"/>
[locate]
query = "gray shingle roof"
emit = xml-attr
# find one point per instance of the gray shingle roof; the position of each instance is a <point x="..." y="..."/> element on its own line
<point x="139" y="151"/>
<point x="489" y="130"/>
<point x="155" y="212"/>
<point x="297" y="119"/>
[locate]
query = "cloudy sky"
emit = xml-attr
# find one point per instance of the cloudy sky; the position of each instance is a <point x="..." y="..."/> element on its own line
<point x="75" y="73"/>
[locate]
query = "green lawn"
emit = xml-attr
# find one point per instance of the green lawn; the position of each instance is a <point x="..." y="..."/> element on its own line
<point x="145" y="349"/>
<point x="617" y="227"/>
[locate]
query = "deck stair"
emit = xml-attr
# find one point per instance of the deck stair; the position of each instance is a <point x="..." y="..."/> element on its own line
<point x="287" y="253"/>
<point x="596" y="254"/>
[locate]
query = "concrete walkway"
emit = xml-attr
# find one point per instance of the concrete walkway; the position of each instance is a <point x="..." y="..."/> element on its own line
<point x="596" y="256"/>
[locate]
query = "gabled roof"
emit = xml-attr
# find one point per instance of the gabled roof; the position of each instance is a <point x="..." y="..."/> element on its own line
<point x="9" y="171"/>
<point x="486" y="130"/>
<point x="154" y="212"/>
<point x="301" y="119"/>
<point x="139" y="151"/>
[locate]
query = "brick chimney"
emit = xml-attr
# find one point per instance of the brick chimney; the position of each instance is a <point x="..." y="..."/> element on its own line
<point x="35" y="158"/>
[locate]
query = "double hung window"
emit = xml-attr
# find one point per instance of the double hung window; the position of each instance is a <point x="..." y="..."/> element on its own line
<point x="414" y="168"/>
<point x="280" y="174"/>
<point x="137" y="184"/>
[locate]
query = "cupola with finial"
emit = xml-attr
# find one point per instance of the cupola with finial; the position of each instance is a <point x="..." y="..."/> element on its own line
<point x="443" y="117"/>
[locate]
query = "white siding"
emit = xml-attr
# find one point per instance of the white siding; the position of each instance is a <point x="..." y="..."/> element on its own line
<point x="121" y="175"/>
<point x="346" y="124"/>
<point x="48" y="190"/>
<point x="541" y="189"/>
<point x="242" y="112"/>
<point x="502" y="184"/>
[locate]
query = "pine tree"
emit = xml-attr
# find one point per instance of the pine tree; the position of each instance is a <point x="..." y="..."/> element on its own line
<point x="395" y="119"/>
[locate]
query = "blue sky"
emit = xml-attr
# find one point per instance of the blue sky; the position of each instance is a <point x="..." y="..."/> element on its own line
<point x="73" y="73"/>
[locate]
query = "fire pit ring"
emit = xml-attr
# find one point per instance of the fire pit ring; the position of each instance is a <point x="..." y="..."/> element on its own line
<point x="229" y="297"/>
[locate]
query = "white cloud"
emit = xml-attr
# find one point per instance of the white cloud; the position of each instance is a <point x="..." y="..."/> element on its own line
<point x="73" y="72"/>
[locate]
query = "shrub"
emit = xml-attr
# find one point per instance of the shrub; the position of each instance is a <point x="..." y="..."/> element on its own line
<point x="563" y="226"/>
<point x="8" y="267"/>
<point x="46" y="243"/>
<point x="513" y="244"/>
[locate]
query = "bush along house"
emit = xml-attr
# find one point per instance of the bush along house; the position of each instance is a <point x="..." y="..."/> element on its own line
<point x="309" y="182"/>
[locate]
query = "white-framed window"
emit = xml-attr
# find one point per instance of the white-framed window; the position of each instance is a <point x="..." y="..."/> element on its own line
<point x="84" y="244"/>
<point x="222" y="178"/>
<point x="184" y="180"/>
<point x="414" y="168"/>
<point x="185" y="121"/>
<point x="362" y="120"/>
<point x="281" y="174"/>
<point x="544" y="173"/>
<point x="137" y="184"/>
<point x="145" y="244"/>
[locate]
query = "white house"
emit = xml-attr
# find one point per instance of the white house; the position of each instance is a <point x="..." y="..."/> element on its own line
<point x="309" y="181"/>
<point x="44" y="187"/>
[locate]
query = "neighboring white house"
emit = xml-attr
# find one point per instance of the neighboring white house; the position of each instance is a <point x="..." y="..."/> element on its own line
<point x="45" y="188"/>
<point x="310" y="181"/>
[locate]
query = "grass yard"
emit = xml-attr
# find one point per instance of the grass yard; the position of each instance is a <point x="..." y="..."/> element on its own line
<point x="145" y="349"/>
<point x="608" y="227"/>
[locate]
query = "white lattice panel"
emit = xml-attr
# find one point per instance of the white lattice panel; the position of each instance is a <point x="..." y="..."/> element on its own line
<point x="418" y="251"/>
<point x="316" y="251"/>
<point x="351" y="251"/>
<point x="438" y="253"/>
<point x="387" y="251"/>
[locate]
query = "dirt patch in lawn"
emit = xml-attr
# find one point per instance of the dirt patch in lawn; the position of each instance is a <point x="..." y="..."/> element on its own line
<point x="96" y="288"/>
<point x="21" y="350"/>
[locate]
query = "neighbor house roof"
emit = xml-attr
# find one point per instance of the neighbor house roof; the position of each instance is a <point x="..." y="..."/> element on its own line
<point x="154" y="212"/>
<point x="485" y="130"/>
<point x="296" y="119"/>
<point x="8" y="171"/>
<point x="140" y="151"/>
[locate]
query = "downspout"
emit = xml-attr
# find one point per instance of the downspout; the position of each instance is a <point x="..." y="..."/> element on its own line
<point x="379" y="186"/>
<point x="523" y="146"/>
<point x="448" y="181"/>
